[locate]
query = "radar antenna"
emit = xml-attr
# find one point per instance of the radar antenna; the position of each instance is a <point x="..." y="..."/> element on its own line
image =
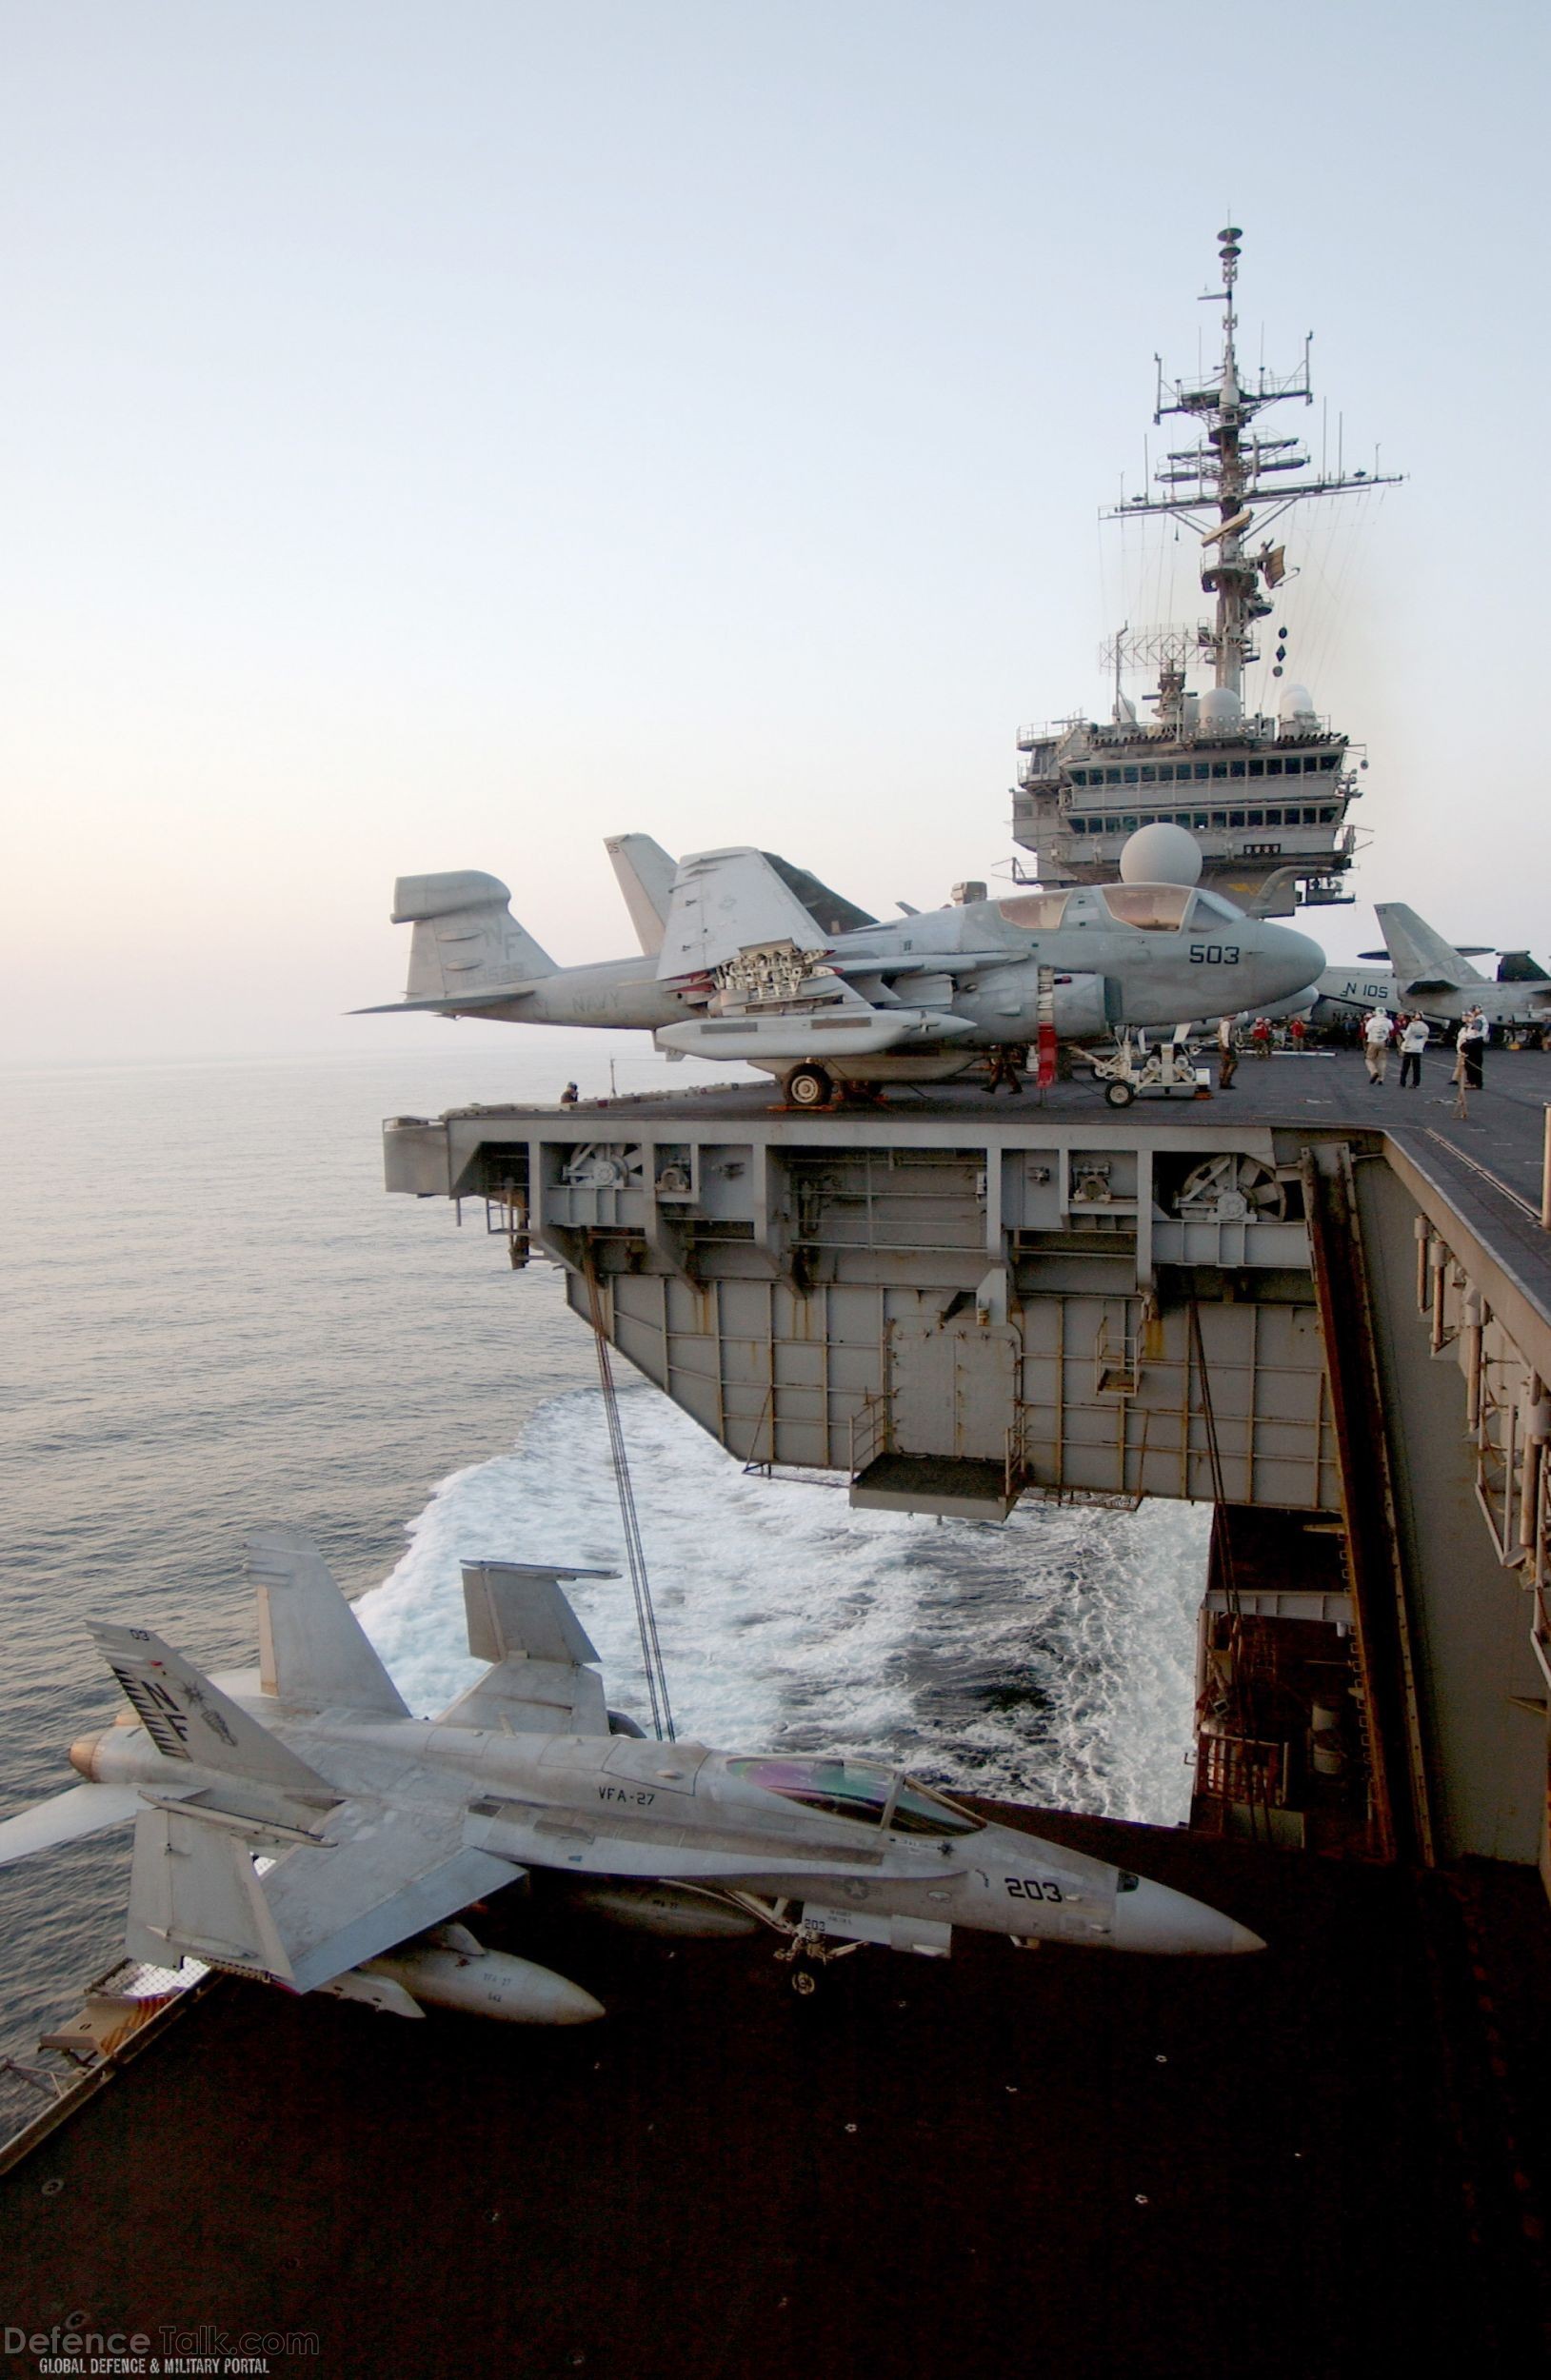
<point x="1234" y="472"/>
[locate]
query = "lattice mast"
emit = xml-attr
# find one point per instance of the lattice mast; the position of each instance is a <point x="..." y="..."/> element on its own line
<point x="1234" y="472"/>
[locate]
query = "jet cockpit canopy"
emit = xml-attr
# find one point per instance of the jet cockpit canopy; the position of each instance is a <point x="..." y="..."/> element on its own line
<point x="863" y="1790"/>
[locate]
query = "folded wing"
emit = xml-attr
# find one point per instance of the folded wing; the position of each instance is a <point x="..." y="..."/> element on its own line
<point x="542" y="1680"/>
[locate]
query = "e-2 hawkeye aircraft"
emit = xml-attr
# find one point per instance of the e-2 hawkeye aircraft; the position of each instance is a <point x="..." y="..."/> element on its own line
<point x="298" y="1825"/>
<point x="744" y="956"/>
<point x="1426" y="975"/>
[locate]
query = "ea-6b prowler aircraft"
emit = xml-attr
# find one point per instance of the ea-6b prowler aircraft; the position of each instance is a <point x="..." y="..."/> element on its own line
<point x="1428" y="974"/>
<point x="299" y="1825"/>
<point x="744" y="956"/>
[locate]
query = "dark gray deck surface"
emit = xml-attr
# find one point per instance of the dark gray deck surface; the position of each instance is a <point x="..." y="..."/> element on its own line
<point x="1058" y="2162"/>
<point x="1503" y="1129"/>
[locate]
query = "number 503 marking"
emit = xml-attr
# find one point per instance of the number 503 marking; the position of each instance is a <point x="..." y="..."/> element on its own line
<point x="1214" y="954"/>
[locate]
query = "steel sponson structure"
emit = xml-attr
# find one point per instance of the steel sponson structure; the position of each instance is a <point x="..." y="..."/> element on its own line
<point x="1341" y="1329"/>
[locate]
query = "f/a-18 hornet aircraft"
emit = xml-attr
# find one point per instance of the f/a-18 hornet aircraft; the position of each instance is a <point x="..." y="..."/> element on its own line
<point x="745" y="957"/>
<point x="300" y="1825"/>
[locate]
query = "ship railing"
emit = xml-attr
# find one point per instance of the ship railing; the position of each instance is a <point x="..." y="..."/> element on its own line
<point x="871" y="1431"/>
<point x="1242" y="1768"/>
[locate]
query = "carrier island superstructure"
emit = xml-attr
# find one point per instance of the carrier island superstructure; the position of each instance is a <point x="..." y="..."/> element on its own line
<point x="1265" y="796"/>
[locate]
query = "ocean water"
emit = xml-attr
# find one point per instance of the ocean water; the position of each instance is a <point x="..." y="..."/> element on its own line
<point x="214" y="1317"/>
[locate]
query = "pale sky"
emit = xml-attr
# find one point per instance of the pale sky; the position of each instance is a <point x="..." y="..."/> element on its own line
<point x="438" y="436"/>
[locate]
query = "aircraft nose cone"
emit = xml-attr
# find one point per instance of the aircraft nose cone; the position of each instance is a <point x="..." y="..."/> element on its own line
<point x="1153" y="1918"/>
<point x="1303" y="959"/>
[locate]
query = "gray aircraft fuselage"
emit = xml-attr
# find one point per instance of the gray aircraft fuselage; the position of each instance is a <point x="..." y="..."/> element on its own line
<point x="1197" y="957"/>
<point x="620" y="1806"/>
<point x="1108" y="971"/>
<point x="300" y="1825"/>
<point x="1347" y="994"/>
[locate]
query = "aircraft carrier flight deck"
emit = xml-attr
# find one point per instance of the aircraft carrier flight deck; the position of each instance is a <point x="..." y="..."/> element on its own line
<point x="1321" y="1306"/>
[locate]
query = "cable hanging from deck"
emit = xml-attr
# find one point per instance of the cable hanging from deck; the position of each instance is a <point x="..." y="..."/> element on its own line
<point x="635" y="1557"/>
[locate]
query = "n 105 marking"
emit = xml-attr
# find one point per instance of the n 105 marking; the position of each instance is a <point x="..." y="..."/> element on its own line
<point x="1214" y="954"/>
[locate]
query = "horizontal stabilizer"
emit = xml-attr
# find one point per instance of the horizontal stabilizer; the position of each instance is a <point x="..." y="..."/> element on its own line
<point x="84" y="1810"/>
<point x="646" y="875"/>
<point x="314" y="1652"/>
<point x="453" y="1003"/>
<point x="1423" y="962"/>
<point x="466" y="939"/>
<point x="727" y="902"/>
<point x="189" y="1718"/>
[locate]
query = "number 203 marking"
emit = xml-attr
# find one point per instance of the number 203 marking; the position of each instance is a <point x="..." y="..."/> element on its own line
<point x="1025" y="1889"/>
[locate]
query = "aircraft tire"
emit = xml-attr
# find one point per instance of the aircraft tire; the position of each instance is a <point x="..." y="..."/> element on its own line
<point x="808" y="1087"/>
<point x="1118" y="1094"/>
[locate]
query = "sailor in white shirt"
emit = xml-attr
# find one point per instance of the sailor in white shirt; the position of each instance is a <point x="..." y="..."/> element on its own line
<point x="1375" y="1029"/>
<point x="1413" y="1041"/>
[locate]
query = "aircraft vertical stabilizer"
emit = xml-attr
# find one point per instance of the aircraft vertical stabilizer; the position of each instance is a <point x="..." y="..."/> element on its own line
<point x="465" y="938"/>
<point x="314" y="1652"/>
<point x="1424" y="961"/>
<point x="645" y="876"/>
<point x="190" y="1720"/>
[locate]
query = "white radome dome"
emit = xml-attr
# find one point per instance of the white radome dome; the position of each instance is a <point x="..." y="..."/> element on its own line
<point x="1297" y="703"/>
<point x="1161" y="854"/>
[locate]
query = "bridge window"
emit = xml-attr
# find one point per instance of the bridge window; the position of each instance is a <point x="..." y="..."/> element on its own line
<point x="1159" y="908"/>
<point x="1257" y="768"/>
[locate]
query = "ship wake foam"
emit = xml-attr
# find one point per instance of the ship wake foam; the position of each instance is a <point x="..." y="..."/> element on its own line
<point x="1048" y="1658"/>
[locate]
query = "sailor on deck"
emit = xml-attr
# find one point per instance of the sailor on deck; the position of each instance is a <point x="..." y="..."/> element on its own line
<point x="1375" y="1033"/>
